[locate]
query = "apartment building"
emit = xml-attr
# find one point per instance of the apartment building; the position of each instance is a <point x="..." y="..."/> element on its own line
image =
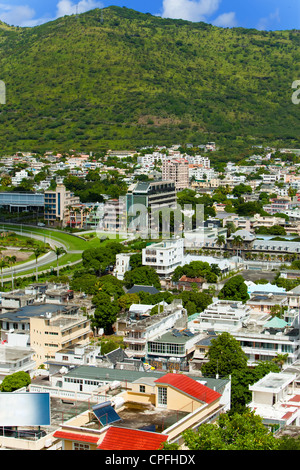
<point x="176" y="170"/>
<point x="145" y="201"/>
<point x="15" y="355"/>
<point x="265" y="221"/>
<point x="19" y="176"/>
<point x="57" y="205"/>
<point x="48" y="327"/>
<point x="198" y="160"/>
<point x="53" y="331"/>
<point x="261" y="337"/>
<point x="278" y="205"/>
<point x="139" y="330"/>
<point x="78" y="215"/>
<point x="153" y="409"/>
<point x="165" y="256"/>
<point x="220" y="316"/>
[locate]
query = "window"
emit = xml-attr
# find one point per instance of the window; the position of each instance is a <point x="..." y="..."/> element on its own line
<point x="80" y="446"/>
<point x="142" y="389"/>
<point x="162" y="396"/>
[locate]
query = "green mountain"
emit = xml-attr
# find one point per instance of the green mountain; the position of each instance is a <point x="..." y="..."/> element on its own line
<point x="120" y="79"/>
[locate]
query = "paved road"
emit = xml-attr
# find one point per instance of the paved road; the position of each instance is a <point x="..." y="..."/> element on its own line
<point x="43" y="260"/>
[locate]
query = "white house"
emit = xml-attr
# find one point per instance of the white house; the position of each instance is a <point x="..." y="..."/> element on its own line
<point x="275" y="398"/>
<point x="165" y="256"/>
<point x="19" y="176"/>
<point x="16" y="355"/>
<point x="122" y="265"/>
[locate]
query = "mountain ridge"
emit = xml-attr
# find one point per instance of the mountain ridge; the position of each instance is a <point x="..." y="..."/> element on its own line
<point x="117" y="78"/>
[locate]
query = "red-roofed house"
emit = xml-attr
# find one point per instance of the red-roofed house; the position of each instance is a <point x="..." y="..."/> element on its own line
<point x="179" y="388"/>
<point x="177" y="402"/>
<point x="186" y="283"/>
<point x="77" y="440"/>
<point x="131" y="439"/>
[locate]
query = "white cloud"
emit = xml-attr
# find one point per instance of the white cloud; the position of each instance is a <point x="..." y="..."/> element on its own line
<point x="67" y="7"/>
<point x="23" y="15"/>
<point x="191" y="10"/>
<point x="17" y="15"/>
<point x="266" y="23"/>
<point x="226" y="20"/>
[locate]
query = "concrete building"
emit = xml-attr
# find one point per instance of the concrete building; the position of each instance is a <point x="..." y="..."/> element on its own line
<point x="165" y="256"/>
<point x="275" y="398"/>
<point x="19" y="176"/>
<point x="52" y="332"/>
<point x="261" y="337"/>
<point x="138" y="331"/>
<point x="57" y="205"/>
<point x="176" y="170"/>
<point x="150" y="411"/>
<point x="221" y="316"/>
<point x="122" y="265"/>
<point x="15" y="355"/>
<point x="145" y="202"/>
<point x="49" y="328"/>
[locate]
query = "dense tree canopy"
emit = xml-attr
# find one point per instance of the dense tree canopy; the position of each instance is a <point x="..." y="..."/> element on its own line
<point x="15" y="381"/>
<point x="233" y="432"/>
<point x="143" y="275"/>
<point x="234" y="289"/>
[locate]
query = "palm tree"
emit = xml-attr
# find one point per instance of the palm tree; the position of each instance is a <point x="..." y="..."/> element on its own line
<point x="38" y="252"/>
<point x="58" y="251"/>
<point x="11" y="260"/>
<point x="237" y="242"/>
<point x="3" y="264"/>
<point x="220" y="240"/>
<point x="280" y="359"/>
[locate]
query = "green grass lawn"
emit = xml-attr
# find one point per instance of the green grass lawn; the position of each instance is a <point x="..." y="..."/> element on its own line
<point x="71" y="242"/>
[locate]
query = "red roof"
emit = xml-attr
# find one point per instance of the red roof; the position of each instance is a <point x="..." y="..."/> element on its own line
<point x="131" y="439"/>
<point x="184" y="278"/>
<point x="295" y="398"/>
<point x="74" y="436"/>
<point x="190" y="387"/>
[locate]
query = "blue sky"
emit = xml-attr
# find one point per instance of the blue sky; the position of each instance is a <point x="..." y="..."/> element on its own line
<point x="259" y="14"/>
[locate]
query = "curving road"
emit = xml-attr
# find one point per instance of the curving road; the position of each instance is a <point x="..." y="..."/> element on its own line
<point x="43" y="260"/>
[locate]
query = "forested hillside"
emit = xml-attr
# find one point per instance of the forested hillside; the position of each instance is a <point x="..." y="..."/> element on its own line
<point x="121" y="79"/>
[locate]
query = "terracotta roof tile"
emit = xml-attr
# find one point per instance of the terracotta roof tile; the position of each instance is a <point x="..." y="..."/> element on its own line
<point x="190" y="387"/>
<point x="131" y="439"/>
<point x="78" y="437"/>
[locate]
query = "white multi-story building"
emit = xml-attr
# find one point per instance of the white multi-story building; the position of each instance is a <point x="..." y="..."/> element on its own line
<point x="140" y="332"/>
<point x="200" y="173"/>
<point x="15" y="355"/>
<point x="19" y="176"/>
<point x="165" y="256"/>
<point x="122" y="265"/>
<point x="261" y="337"/>
<point x="150" y="158"/>
<point x="204" y="162"/>
<point x="271" y="178"/>
<point x="222" y="315"/>
<point x="275" y="398"/>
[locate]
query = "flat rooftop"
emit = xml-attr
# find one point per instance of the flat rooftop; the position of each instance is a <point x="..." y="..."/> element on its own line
<point x="273" y="381"/>
<point x="142" y="416"/>
<point x="34" y="310"/>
